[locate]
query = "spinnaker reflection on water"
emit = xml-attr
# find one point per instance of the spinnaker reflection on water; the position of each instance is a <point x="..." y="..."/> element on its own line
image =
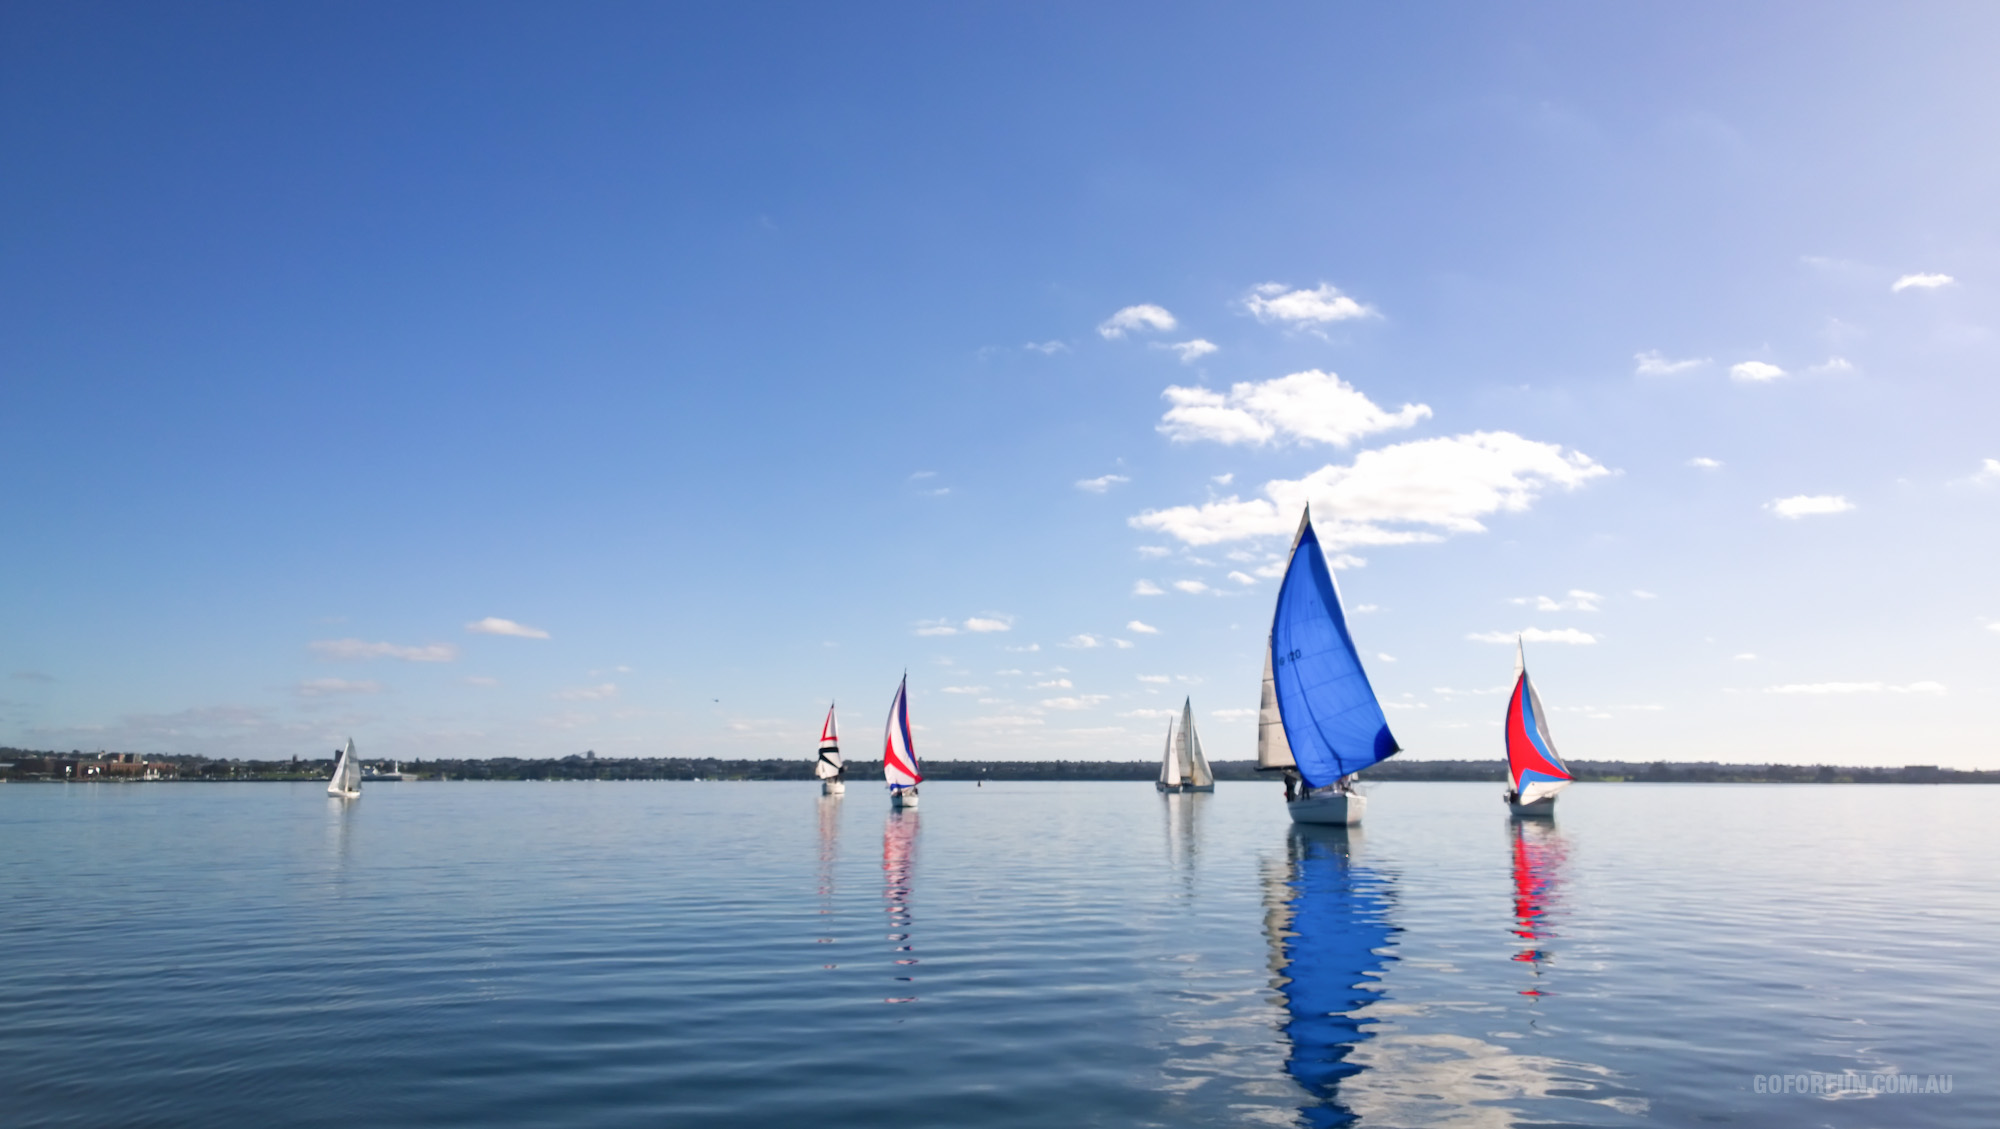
<point x="899" y="847"/>
<point x="1539" y="855"/>
<point x="1327" y="919"/>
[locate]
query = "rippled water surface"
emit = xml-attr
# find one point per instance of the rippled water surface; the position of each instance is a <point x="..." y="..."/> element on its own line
<point x="711" y="954"/>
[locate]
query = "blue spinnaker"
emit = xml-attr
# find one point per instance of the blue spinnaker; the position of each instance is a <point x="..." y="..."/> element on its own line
<point x="1332" y="720"/>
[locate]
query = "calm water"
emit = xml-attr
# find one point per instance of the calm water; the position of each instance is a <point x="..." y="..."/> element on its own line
<point x="1080" y="954"/>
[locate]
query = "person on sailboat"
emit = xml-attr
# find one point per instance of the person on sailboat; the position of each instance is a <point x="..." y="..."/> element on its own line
<point x="1291" y="785"/>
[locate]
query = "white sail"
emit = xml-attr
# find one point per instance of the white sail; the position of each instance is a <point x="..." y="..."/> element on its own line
<point x="1170" y="765"/>
<point x="1193" y="765"/>
<point x="346" y="773"/>
<point x="1273" y="750"/>
<point x="829" y="765"/>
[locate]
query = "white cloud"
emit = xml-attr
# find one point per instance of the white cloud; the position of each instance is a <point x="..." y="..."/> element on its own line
<point x="1242" y="578"/>
<point x="1224" y="479"/>
<point x="1385" y="657"/>
<point x="361" y="649"/>
<point x="1079" y="702"/>
<point x="964" y="690"/>
<point x="1046" y="348"/>
<point x="1233" y="715"/>
<point x="1310" y="406"/>
<point x="494" y="625"/>
<point x="1755" y="372"/>
<point x="1535" y="635"/>
<point x="1359" y="609"/>
<point x="1920" y="282"/>
<point x="1833" y="364"/>
<point x="991" y="621"/>
<point x="1142" y="317"/>
<point x="1122" y="644"/>
<point x="1703" y="462"/>
<point x="599" y="693"/>
<point x="1989" y="471"/>
<point x="1807" y="505"/>
<point x="1147" y="588"/>
<point x="1579" y="601"/>
<point x="321" y="687"/>
<point x="1191" y="587"/>
<point x="1654" y="363"/>
<point x="1054" y="684"/>
<point x="1191" y="351"/>
<point x="1142" y="628"/>
<point x="1823" y="688"/>
<point x="1446" y="484"/>
<point x="1101" y="483"/>
<point x="1024" y="650"/>
<point x="1084" y="641"/>
<point x="1155" y="551"/>
<point x="935" y="627"/>
<point x="1273" y="302"/>
<point x="1642" y="594"/>
<point x="1159" y="678"/>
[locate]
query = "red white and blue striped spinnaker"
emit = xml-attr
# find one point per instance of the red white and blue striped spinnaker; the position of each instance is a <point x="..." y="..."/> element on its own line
<point x="899" y="754"/>
<point x="1533" y="767"/>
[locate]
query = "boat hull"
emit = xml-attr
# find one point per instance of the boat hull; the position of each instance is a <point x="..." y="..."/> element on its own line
<point x="832" y="788"/>
<point x="1540" y="809"/>
<point x="1338" y="810"/>
<point x="1183" y="787"/>
<point x="338" y="794"/>
<point x="903" y="798"/>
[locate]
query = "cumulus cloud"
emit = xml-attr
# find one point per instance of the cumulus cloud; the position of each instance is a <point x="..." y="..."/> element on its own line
<point x="1920" y="282"/>
<point x="1822" y="688"/>
<point x="1046" y="348"/>
<point x="1078" y="702"/>
<point x="1808" y="505"/>
<point x="1155" y="551"/>
<point x="1703" y="462"/>
<point x="494" y="625"/>
<point x="1142" y="317"/>
<point x="1147" y="588"/>
<point x="1142" y="628"/>
<point x="1535" y="635"/>
<point x="1578" y="601"/>
<point x="935" y="627"/>
<point x="1654" y="363"/>
<point x="322" y="687"/>
<point x="1274" y="302"/>
<point x="1242" y="577"/>
<point x="1410" y="492"/>
<point x="1101" y="483"/>
<point x="1831" y="365"/>
<point x="1084" y="641"/>
<point x="1191" y="351"/>
<point x="361" y="649"/>
<point x="1054" y="684"/>
<point x="1307" y="407"/>
<point x="599" y="693"/>
<point x="1989" y="471"/>
<point x="991" y="621"/>
<point x="1755" y="372"/>
<point x="1191" y="587"/>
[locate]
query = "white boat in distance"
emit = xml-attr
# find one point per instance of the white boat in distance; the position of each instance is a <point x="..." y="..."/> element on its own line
<point x="1183" y="768"/>
<point x="346" y="782"/>
<point x="830" y="769"/>
<point x="1319" y="720"/>
<point x="899" y="754"/>
<point x="1534" y="772"/>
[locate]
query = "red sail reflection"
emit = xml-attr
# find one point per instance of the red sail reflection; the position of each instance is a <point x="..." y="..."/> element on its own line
<point x="899" y="844"/>
<point x="1539" y="856"/>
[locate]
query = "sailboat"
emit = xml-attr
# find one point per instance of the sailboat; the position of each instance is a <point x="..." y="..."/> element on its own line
<point x="1534" y="772"/>
<point x="1319" y="719"/>
<point x="899" y="755"/>
<point x="346" y="782"/>
<point x="830" y="769"/>
<point x="1183" y="768"/>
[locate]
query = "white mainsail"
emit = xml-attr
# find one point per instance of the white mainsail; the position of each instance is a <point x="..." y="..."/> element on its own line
<point x="1273" y="750"/>
<point x="346" y="773"/>
<point x="829" y="766"/>
<point x="1170" y="764"/>
<point x="1194" y="767"/>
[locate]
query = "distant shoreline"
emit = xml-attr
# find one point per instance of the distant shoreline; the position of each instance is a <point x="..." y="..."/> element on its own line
<point x="26" y="766"/>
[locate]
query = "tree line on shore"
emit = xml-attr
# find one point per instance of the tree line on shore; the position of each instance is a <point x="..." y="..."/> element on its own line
<point x="23" y="764"/>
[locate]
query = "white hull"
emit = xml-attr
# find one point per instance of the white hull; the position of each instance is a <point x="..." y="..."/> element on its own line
<point x="902" y="799"/>
<point x="1343" y="810"/>
<point x="1540" y="808"/>
<point x="343" y="795"/>
<point x="832" y="788"/>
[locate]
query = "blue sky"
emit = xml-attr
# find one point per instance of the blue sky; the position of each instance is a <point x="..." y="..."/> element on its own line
<point x="490" y="380"/>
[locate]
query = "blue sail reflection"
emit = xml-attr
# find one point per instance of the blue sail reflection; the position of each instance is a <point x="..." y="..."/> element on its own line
<point x="1331" y="937"/>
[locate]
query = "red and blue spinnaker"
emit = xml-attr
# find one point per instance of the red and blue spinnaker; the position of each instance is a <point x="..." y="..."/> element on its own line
<point x="1533" y="767"/>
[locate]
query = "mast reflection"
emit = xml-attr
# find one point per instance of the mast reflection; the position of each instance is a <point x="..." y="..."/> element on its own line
<point x="1539" y="856"/>
<point x="1183" y="812"/>
<point x="899" y="846"/>
<point x="1327" y="918"/>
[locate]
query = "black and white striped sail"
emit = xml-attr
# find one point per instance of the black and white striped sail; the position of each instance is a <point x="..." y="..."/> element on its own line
<point x="346" y="773"/>
<point x="829" y="765"/>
